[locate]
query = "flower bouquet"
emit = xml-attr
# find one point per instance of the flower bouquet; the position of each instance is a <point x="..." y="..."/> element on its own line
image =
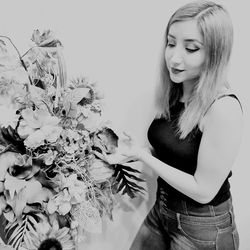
<point x="54" y="185"/>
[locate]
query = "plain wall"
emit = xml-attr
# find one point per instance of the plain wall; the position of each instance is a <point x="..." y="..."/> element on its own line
<point x="116" y="43"/>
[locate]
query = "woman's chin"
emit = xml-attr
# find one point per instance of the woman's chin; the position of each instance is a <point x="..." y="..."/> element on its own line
<point x="176" y="80"/>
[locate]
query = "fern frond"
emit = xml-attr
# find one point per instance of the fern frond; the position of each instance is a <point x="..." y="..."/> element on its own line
<point x="20" y="230"/>
<point x="124" y="178"/>
<point x="10" y="226"/>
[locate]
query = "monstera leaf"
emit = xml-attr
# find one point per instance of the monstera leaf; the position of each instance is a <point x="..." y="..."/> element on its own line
<point x="125" y="180"/>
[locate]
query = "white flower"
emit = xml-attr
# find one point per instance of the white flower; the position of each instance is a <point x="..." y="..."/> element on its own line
<point x="92" y="122"/>
<point x="49" y="157"/>
<point x="35" y="139"/>
<point x="71" y="134"/>
<point x="60" y="203"/>
<point x="24" y="130"/>
<point x="51" y="132"/>
<point x="51" y="206"/>
<point x="51" y="90"/>
<point x="8" y="117"/>
<point x="35" y="119"/>
<point x="64" y="208"/>
<point x="77" y="189"/>
<point x="37" y="238"/>
<point x="43" y="227"/>
<point x="38" y="126"/>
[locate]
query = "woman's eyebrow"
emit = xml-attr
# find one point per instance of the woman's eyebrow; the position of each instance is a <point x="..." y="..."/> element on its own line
<point x="187" y="40"/>
<point x="193" y="40"/>
<point x="171" y="36"/>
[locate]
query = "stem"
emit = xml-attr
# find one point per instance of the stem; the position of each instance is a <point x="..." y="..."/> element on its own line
<point x="48" y="108"/>
<point x="28" y="51"/>
<point x="20" y="58"/>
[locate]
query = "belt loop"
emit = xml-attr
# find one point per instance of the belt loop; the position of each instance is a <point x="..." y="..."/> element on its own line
<point x="178" y="220"/>
<point x="184" y="206"/>
<point x="211" y="209"/>
<point x="232" y="215"/>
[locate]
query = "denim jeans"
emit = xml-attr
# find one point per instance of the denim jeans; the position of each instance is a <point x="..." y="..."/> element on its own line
<point x="181" y="225"/>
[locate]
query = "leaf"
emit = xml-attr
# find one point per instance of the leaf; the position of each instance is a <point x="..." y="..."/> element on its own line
<point x="14" y="185"/>
<point x="10" y="227"/>
<point x="121" y="186"/>
<point x="18" y="203"/>
<point x="17" y="231"/>
<point x="23" y="192"/>
<point x="128" y="169"/>
<point x="10" y="137"/>
<point x="50" y="183"/>
<point x="26" y="224"/>
<point x="9" y="215"/>
<point x="35" y="192"/>
<point x="123" y="177"/>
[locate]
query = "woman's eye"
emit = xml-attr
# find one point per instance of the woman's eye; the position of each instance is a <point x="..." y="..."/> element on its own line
<point x="170" y="44"/>
<point x="192" y="50"/>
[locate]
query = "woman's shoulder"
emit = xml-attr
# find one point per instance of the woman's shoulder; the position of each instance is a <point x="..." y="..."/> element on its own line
<point x="225" y="109"/>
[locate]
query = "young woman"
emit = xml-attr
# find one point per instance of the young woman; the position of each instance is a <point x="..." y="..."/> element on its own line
<point x="195" y="137"/>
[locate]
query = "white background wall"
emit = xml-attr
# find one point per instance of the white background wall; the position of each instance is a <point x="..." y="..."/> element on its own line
<point x="116" y="43"/>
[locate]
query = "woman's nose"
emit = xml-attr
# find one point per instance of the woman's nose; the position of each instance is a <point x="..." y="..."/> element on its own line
<point x="176" y="57"/>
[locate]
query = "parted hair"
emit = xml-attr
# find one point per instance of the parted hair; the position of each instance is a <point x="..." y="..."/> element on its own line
<point x="215" y="26"/>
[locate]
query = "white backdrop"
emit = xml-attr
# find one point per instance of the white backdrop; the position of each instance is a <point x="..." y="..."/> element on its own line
<point x="117" y="43"/>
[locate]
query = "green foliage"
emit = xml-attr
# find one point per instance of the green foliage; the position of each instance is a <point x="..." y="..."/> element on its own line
<point x="17" y="232"/>
<point x="126" y="179"/>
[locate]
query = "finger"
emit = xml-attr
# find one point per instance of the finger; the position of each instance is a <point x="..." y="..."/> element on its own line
<point x="128" y="160"/>
<point x="99" y="155"/>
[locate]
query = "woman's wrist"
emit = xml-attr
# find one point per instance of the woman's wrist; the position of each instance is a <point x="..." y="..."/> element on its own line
<point x="142" y="153"/>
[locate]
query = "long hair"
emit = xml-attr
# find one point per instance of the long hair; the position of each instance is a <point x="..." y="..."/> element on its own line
<point x="216" y="28"/>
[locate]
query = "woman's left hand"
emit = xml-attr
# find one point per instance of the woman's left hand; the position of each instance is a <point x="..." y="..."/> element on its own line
<point x="127" y="151"/>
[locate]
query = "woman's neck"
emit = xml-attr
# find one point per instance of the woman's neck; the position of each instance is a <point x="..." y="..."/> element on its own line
<point x="187" y="88"/>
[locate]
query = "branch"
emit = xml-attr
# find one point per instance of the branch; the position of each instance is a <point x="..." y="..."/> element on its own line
<point x="20" y="57"/>
<point x="28" y="51"/>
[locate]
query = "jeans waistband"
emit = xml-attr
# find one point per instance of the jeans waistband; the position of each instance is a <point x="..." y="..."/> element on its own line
<point x="190" y="207"/>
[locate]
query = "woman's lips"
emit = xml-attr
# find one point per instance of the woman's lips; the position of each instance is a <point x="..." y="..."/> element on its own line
<point x="176" y="71"/>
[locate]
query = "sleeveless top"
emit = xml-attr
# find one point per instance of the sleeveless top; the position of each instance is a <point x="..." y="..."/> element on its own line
<point x="180" y="153"/>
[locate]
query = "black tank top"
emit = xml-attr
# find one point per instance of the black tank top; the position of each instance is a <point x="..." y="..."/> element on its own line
<point x="180" y="153"/>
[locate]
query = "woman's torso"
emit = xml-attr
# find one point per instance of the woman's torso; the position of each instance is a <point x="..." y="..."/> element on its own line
<point x="179" y="153"/>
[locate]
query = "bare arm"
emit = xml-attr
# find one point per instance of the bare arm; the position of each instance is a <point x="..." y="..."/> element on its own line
<point x="222" y="129"/>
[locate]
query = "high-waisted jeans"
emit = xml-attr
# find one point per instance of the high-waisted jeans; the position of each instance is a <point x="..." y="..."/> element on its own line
<point x="181" y="225"/>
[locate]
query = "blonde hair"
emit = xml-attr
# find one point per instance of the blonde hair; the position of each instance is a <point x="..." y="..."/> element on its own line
<point x="216" y="28"/>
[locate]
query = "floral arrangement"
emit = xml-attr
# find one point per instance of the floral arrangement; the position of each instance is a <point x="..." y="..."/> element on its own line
<point x="55" y="179"/>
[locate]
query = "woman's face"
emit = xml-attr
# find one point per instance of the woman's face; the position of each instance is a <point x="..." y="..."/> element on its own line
<point x="185" y="52"/>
